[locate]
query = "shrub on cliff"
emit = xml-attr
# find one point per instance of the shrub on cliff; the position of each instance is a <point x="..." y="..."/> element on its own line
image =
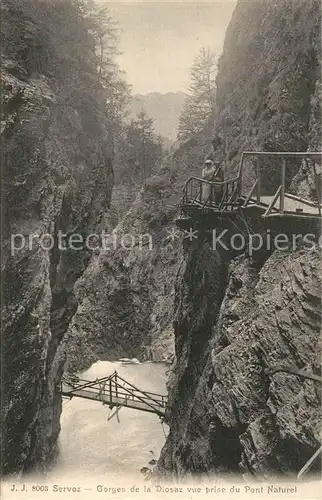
<point x="70" y="42"/>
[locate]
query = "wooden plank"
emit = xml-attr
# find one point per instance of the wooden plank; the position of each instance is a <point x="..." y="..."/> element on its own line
<point x="286" y="154"/>
<point x="294" y="215"/>
<point x="271" y="206"/>
<point x="248" y="198"/>
<point x="318" y="187"/>
<point x="290" y="205"/>
<point x="117" y="401"/>
<point x="302" y="200"/>
<point x="282" y="186"/>
<point x="116" y="412"/>
<point x="309" y="463"/>
<point x="135" y="402"/>
<point x="258" y="177"/>
<point x="294" y="371"/>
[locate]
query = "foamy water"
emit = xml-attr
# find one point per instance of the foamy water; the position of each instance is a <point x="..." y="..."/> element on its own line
<point x="101" y="459"/>
<point x="90" y="445"/>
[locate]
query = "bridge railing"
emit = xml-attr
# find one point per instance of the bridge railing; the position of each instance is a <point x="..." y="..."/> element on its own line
<point x="263" y="182"/>
<point x="113" y="388"/>
<point x="223" y="195"/>
<point x="138" y="393"/>
<point x="273" y="176"/>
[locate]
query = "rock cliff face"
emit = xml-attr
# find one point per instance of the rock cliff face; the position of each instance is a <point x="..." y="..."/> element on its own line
<point x="58" y="177"/>
<point x="225" y="414"/>
<point x="231" y="318"/>
<point x="268" y="84"/>
<point x="241" y="70"/>
<point x="126" y="294"/>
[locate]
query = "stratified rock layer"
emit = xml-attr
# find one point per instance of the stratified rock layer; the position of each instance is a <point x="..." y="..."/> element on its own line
<point x="126" y="294"/>
<point x="225" y="413"/>
<point x="269" y="79"/>
<point x="57" y="177"/>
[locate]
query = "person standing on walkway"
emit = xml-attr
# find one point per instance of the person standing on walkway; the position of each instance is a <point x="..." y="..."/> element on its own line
<point x="208" y="172"/>
<point x="212" y="172"/>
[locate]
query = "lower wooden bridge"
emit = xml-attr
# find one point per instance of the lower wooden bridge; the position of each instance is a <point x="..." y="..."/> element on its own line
<point x="114" y="391"/>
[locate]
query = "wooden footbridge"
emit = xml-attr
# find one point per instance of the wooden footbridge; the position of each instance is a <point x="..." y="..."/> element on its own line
<point x="262" y="194"/>
<point x="115" y="392"/>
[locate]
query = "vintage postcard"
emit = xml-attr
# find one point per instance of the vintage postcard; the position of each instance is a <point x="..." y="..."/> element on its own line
<point x="161" y="249"/>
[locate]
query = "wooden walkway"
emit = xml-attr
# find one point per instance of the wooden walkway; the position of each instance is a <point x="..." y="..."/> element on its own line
<point x="200" y="195"/>
<point x="114" y="391"/>
<point x="291" y="205"/>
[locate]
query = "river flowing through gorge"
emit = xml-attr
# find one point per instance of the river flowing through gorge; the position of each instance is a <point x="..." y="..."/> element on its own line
<point x="89" y="445"/>
<point x="102" y="459"/>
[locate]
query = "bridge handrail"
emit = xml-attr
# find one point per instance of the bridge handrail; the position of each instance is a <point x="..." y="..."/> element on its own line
<point x="117" y="392"/>
<point x="224" y="185"/>
<point x="302" y="154"/>
<point x="91" y="383"/>
<point x="287" y="154"/>
<point x="136" y="388"/>
<point x="88" y="383"/>
<point x="120" y="391"/>
<point x="127" y="391"/>
<point x="143" y="400"/>
<point x="311" y="203"/>
<point x="205" y="181"/>
<point x="281" y="154"/>
<point x="230" y="199"/>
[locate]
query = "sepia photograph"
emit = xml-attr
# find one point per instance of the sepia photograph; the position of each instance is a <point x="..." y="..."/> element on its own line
<point x="161" y="242"/>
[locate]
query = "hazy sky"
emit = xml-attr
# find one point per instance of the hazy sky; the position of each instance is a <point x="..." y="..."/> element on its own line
<point x="159" y="40"/>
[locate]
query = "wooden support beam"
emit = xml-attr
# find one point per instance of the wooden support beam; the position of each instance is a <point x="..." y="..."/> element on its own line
<point x="258" y="185"/>
<point x="285" y="154"/>
<point x="309" y="463"/>
<point x="317" y="180"/>
<point x="250" y="194"/>
<point x="282" y="192"/>
<point x="223" y="197"/>
<point x="274" y="200"/>
<point x="233" y="195"/>
<point x="116" y="412"/>
<point x="301" y="200"/>
<point x="294" y="371"/>
<point x="240" y="168"/>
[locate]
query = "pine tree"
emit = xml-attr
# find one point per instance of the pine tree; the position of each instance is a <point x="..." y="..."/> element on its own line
<point x="200" y="103"/>
<point x="140" y="150"/>
<point x="109" y="75"/>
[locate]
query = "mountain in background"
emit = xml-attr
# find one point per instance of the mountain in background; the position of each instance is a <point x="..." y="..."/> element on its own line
<point x="165" y="110"/>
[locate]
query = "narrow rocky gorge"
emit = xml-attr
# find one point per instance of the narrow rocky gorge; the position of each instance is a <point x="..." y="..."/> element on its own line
<point x="58" y="178"/>
<point x="220" y="322"/>
<point x="226" y="414"/>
